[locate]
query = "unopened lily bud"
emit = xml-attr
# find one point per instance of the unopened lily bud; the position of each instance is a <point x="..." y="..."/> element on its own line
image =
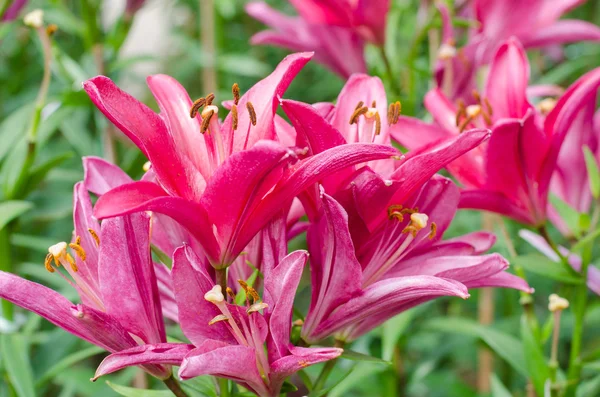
<point x="215" y="295"/>
<point x="34" y="19"/>
<point x="557" y="303"/>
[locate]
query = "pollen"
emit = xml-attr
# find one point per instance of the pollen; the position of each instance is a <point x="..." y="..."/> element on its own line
<point x="48" y="263"/>
<point x="234" y="117"/>
<point x="206" y="116"/>
<point x="357" y="113"/>
<point x="230" y="293"/>
<point x="51" y="29"/>
<point x="209" y="99"/>
<point x="252" y="292"/>
<point x="433" y="230"/>
<point x="215" y="295"/>
<point x="251" y="112"/>
<point x="78" y="249"/>
<point x="198" y="103"/>
<point x="72" y="262"/>
<point x="235" y="90"/>
<point x="95" y="236"/>
<point x="394" y="111"/>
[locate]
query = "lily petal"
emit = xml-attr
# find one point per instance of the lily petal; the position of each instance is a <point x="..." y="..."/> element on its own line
<point x="100" y="176"/>
<point x="561" y="32"/>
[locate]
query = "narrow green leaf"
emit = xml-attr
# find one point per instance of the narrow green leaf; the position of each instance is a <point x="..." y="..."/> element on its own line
<point x="162" y="256"/>
<point x="37" y="174"/>
<point x="504" y="345"/>
<point x="67" y="362"/>
<point x="288" y="387"/>
<point x="393" y="329"/>
<point x="537" y="364"/>
<point x="356" y="356"/>
<point x="498" y="388"/>
<point x="593" y="171"/>
<point x="13" y="128"/>
<point x="10" y="210"/>
<point x="133" y="392"/>
<point x="568" y="214"/>
<point x="15" y="352"/>
<point x="544" y="266"/>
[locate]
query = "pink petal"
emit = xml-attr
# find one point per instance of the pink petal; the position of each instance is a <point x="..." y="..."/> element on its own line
<point x="130" y="290"/>
<point x="561" y="32"/>
<point x="161" y="353"/>
<point x="102" y="176"/>
<point x="494" y="202"/>
<point x="480" y="241"/>
<point x="442" y="110"/>
<point x="413" y="133"/>
<point x="371" y="15"/>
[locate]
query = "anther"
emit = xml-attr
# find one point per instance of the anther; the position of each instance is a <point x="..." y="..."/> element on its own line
<point x="357" y="113"/>
<point x="78" y="249"/>
<point x="374" y="104"/>
<point x="198" y="103"/>
<point x="71" y="262"/>
<point x="78" y="240"/>
<point x="257" y="307"/>
<point x="95" y="236"/>
<point x="235" y="90"/>
<point x="476" y="96"/>
<point x="214" y="295"/>
<point x="488" y="107"/>
<point x="433" y="230"/>
<point x="48" y="263"/>
<point x="206" y="120"/>
<point x="359" y="105"/>
<point x="377" y="124"/>
<point x="230" y="293"/>
<point x="51" y="29"/>
<point x="252" y="292"/>
<point x="234" y="117"/>
<point x="209" y="99"/>
<point x="243" y="284"/>
<point x="395" y="212"/>
<point x="251" y="112"/>
<point x="216" y="319"/>
<point x="394" y="111"/>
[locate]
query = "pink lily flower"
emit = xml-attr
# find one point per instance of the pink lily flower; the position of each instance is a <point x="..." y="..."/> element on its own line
<point x="535" y="23"/>
<point x="13" y="11"/>
<point x="230" y="339"/>
<point x="382" y="268"/>
<point x="120" y="306"/>
<point x="338" y="48"/>
<point x="511" y="173"/>
<point x="223" y="198"/>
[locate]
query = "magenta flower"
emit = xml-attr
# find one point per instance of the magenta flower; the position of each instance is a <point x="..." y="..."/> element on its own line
<point x="234" y="342"/>
<point x="13" y="11"/>
<point x="224" y="185"/>
<point x="120" y="306"/>
<point x="511" y="173"/>
<point x="338" y="48"/>
<point x="366" y="268"/>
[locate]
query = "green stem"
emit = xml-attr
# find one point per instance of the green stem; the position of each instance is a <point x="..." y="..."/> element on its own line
<point x="389" y="70"/>
<point x="223" y="387"/>
<point x="174" y="386"/>
<point x="579" y="308"/>
<point x="6" y="266"/>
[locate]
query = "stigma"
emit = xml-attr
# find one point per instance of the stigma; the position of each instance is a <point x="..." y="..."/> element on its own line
<point x="418" y="221"/>
<point x="546" y="105"/>
<point x="58" y="254"/>
<point x="215" y="295"/>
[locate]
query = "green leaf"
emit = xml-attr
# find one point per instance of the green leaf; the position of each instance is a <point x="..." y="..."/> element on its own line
<point x="498" y="388"/>
<point x="544" y="266"/>
<point x="10" y="210"/>
<point x="356" y="356"/>
<point x="288" y="387"/>
<point x="362" y="371"/>
<point x="593" y="171"/>
<point x="133" y="392"/>
<point x="504" y="345"/>
<point x="162" y="256"/>
<point x="204" y="385"/>
<point x="589" y="388"/>
<point x="67" y="362"/>
<point x="537" y="364"/>
<point x="13" y="128"/>
<point x="37" y="174"/>
<point x="240" y="298"/>
<point x="567" y="213"/>
<point x="393" y="329"/>
<point x="15" y="353"/>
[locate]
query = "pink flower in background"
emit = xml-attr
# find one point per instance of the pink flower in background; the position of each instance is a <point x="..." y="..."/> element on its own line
<point x="338" y="48"/>
<point x="511" y="173"/>
<point x="111" y="269"/>
<point x="224" y="185"/>
<point x="365" y="271"/>
<point x="13" y="11"/>
<point x="230" y="339"/>
<point x="535" y="23"/>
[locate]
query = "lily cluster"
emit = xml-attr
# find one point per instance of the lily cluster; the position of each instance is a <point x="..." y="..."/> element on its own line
<point x="222" y="196"/>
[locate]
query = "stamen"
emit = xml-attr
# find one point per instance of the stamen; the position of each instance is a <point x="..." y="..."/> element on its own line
<point x="394" y="111"/>
<point x="357" y="113"/>
<point x="206" y="120"/>
<point x="418" y="221"/>
<point x="48" y="262"/>
<point x="251" y="112"/>
<point x="252" y="292"/>
<point x="243" y="284"/>
<point x="476" y="96"/>
<point x="488" y="106"/>
<point x="395" y="212"/>
<point x="216" y="319"/>
<point x="51" y="29"/>
<point x="95" y="236"/>
<point x="215" y="295"/>
<point x="78" y="250"/>
<point x="78" y="240"/>
<point x="209" y="99"/>
<point x="374" y="104"/>
<point x="235" y="90"/>
<point x="460" y="112"/>
<point x="198" y="103"/>
<point x="359" y="105"/>
<point x="433" y="230"/>
<point x="234" y="117"/>
<point x="71" y="262"/>
<point x="257" y="307"/>
<point x="230" y="293"/>
<point x="377" y="124"/>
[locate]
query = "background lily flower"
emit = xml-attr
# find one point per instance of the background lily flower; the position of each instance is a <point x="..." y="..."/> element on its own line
<point x="511" y="173"/>
<point x="338" y="48"/>
<point x="111" y="268"/>
<point x="13" y="11"/>
<point x="394" y="265"/>
<point x="226" y="203"/>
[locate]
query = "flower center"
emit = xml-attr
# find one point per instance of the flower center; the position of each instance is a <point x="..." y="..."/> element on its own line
<point x="467" y="115"/>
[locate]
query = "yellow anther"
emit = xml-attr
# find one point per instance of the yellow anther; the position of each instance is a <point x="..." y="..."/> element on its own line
<point x="251" y="112"/>
<point x="215" y="295"/>
<point x="252" y="292"/>
<point x="433" y="230"/>
<point x="48" y="263"/>
<point x="394" y="111"/>
<point x="234" y="117"/>
<point x="235" y="90"/>
<point x="95" y="236"/>
<point x="230" y="293"/>
<point x="78" y="249"/>
<point x="51" y="29"/>
<point x="71" y="262"/>
<point x="216" y="319"/>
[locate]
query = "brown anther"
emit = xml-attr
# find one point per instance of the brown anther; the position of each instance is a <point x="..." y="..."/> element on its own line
<point x="95" y="236"/>
<point x="78" y="249"/>
<point x="78" y="240"/>
<point x="461" y="111"/>
<point x="230" y="293"/>
<point x="206" y="121"/>
<point x="51" y="29"/>
<point x="198" y="103"/>
<point x="394" y="111"/>
<point x="243" y="284"/>
<point x="464" y="124"/>
<point x="488" y="107"/>
<point x="48" y="263"/>
<point x="72" y="262"/>
<point x="252" y="292"/>
<point x="476" y="96"/>
<point x="359" y="105"/>
<point x="251" y="112"/>
<point x="357" y="113"/>
<point x="374" y="104"/>
<point x="395" y="212"/>
<point x="433" y="230"/>
<point x="235" y="90"/>
<point x="234" y="117"/>
<point x="209" y="99"/>
<point x="377" y="124"/>
<point x="411" y="229"/>
<point x="486" y="118"/>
